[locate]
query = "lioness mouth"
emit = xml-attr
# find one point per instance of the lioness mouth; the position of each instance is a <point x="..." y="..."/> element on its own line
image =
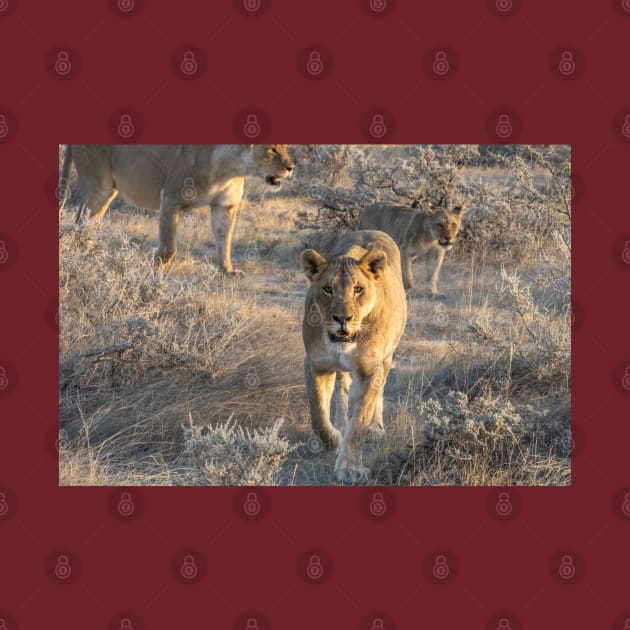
<point x="273" y="180"/>
<point x="445" y="244"/>
<point x="342" y="337"/>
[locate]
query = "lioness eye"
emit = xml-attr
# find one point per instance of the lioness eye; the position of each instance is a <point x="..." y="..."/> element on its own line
<point x="358" y="289"/>
<point x="274" y="150"/>
<point x="327" y="290"/>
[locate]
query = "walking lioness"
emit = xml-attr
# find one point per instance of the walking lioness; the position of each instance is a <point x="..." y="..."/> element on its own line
<point x="428" y="232"/>
<point x="174" y="177"/>
<point x="354" y="316"/>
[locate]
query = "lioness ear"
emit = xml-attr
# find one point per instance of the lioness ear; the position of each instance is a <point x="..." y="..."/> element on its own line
<point x="374" y="261"/>
<point x="458" y="210"/>
<point x="312" y="262"/>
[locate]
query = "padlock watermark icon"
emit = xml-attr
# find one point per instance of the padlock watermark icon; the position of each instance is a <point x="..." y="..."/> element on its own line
<point x="377" y="127"/>
<point x="314" y="444"/>
<point x="125" y="505"/>
<point x="440" y="316"/>
<point x="125" y="128"/>
<point x="4" y="379"/>
<point x="62" y="443"/>
<point x="252" y="254"/>
<point x="625" y="5"/>
<point x="63" y="65"/>
<point x="251" y="128"/>
<point x="252" y="624"/>
<point x="4" y="5"/>
<point x="378" y="507"/>
<point x="189" y="65"/>
<point x="252" y="380"/>
<point x="4" y="127"/>
<point x="315" y="65"/>
<point x="441" y="65"/>
<point x="251" y="507"/>
<point x="441" y="569"/>
<point x="189" y="192"/>
<point x="378" y="378"/>
<point x="625" y="380"/>
<point x="625" y="505"/>
<point x="504" y="624"/>
<point x="378" y="6"/>
<point x="566" y="570"/>
<point x="625" y="254"/>
<point x="126" y="6"/>
<point x="378" y="624"/>
<point x="504" y="5"/>
<point x="189" y="568"/>
<point x="504" y="504"/>
<point x="4" y="505"/>
<point x="125" y="624"/>
<point x="504" y="126"/>
<point x="63" y="570"/>
<point x="625" y="128"/>
<point x="566" y="66"/>
<point x="314" y="569"/>
<point x="251" y="5"/>
<point x="4" y="253"/>
<point x="314" y="317"/>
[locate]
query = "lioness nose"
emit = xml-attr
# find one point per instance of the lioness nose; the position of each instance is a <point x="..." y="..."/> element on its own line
<point x="342" y="319"/>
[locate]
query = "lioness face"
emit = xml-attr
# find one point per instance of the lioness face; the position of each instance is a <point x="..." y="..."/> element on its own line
<point x="344" y="292"/>
<point x="273" y="162"/>
<point x="445" y="224"/>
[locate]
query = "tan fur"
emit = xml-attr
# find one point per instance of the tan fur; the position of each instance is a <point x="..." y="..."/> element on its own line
<point x="428" y="232"/>
<point x="372" y="319"/>
<point x="172" y="178"/>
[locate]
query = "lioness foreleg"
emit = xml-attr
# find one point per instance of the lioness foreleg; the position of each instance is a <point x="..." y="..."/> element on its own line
<point x="377" y="427"/>
<point x="435" y="258"/>
<point x="364" y="393"/>
<point x="406" y="270"/>
<point x="340" y="399"/>
<point x="319" y="389"/>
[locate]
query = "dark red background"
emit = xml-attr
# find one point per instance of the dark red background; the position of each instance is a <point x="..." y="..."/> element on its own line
<point x="502" y="569"/>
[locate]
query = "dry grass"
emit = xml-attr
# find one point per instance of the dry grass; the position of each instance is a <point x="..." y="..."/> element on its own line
<point x="143" y="356"/>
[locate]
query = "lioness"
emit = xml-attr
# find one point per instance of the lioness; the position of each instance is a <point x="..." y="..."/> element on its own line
<point x="354" y="316"/>
<point x="428" y="232"/>
<point x="172" y="178"/>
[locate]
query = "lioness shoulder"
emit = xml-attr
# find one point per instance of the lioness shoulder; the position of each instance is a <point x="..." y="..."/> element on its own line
<point x="355" y="313"/>
<point x="427" y="232"/>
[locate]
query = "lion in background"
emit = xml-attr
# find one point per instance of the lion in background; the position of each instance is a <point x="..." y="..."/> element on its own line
<point x="427" y="232"/>
<point x="173" y="178"/>
<point x="354" y="315"/>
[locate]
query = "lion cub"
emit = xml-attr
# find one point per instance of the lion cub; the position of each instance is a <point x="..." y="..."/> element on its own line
<point x="354" y="316"/>
<point x="428" y="232"/>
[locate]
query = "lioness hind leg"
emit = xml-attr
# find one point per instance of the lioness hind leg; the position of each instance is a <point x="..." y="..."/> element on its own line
<point x="319" y="389"/>
<point x="223" y="221"/>
<point x="340" y="399"/>
<point x="104" y="205"/>
<point x="167" y="244"/>
<point x="97" y="204"/>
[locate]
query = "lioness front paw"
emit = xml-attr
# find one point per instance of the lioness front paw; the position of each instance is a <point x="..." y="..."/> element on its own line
<point x="234" y="273"/>
<point x="352" y="474"/>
